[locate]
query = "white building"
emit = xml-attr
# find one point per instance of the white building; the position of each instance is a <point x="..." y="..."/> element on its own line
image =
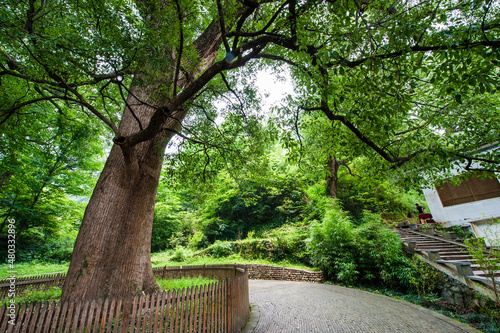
<point x="474" y="202"/>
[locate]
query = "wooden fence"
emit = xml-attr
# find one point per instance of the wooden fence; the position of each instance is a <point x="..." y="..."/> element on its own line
<point x="217" y="307"/>
<point x="46" y="281"/>
<point x="38" y="282"/>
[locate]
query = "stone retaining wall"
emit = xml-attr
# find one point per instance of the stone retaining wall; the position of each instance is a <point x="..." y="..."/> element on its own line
<point x="458" y="289"/>
<point x="266" y="272"/>
<point x="457" y="293"/>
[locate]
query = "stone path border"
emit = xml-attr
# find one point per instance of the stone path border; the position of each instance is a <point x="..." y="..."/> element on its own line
<point x="289" y="307"/>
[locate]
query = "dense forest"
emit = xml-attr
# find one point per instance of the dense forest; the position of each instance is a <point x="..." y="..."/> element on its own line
<point x="384" y="98"/>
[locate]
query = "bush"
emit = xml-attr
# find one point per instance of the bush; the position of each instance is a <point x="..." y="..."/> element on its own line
<point x="376" y="195"/>
<point x="233" y="211"/>
<point x="351" y="255"/>
<point x="221" y="249"/>
<point x="38" y="246"/>
<point x="180" y="254"/>
<point x="289" y="243"/>
<point x="425" y="279"/>
<point x="197" y="240"/>
<point x="285" y="248"/>
<point x="488" y="259"/>
<point x="331" y="246"/>
<point x="172" y="225"/>
<point x="255" y="248"/>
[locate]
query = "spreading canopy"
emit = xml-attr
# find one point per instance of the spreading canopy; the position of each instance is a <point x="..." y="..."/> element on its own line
<point x="395" y="74"/>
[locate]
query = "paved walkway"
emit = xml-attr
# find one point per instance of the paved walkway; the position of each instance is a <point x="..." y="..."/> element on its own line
<point x="286" y="307"/>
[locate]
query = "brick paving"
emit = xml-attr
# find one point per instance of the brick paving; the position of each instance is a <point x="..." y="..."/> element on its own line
<point x="286" y="307"/>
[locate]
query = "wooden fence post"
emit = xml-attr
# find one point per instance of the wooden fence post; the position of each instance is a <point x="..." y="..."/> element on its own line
<point x="228" y="308"/>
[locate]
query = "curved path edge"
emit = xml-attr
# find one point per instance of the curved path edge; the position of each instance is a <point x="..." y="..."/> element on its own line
<point x="253" y="321"/>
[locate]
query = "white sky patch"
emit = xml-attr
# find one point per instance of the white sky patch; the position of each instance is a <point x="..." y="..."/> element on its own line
<point x="273" y="89"/>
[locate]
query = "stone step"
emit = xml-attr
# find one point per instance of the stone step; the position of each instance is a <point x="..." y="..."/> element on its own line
<point x="443" y="252"/>
<point x="438" y="248"/>
<point x="440" y="245"/>
<point x="435" y="246"/>
<point x="434" y="242"/>
<point x="456" y="256"/>
<point x="482" y="273"/>
<point x="468" y="260"/>
<point x="448" y="251"/>
<point x="419" y="237"/>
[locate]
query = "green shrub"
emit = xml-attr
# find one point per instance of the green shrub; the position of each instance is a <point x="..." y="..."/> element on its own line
<point x="424" y="279"/>
<point x="221" y="249"/>
<point x="332" y="245"/>
<point x="235" y="209"/>
<point x="383" y="196"/>
<point x="255" y="248"/>
<point x="180" y="254"/>
<point x="488" y="259"/>
<point x="289" y="243"/>
<point x="172" y="225"/>
<point x="352" y="255"/>
<point x="55" y="249"/>
<point x="196" y="240"/>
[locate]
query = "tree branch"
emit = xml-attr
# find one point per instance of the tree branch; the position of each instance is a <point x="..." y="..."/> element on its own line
<point x="181" y="46"/>
<point x="222" y="26"/>
<point x="234" y="93"/>
<point x="398" y="161"/>
<point x="471" y="159"/>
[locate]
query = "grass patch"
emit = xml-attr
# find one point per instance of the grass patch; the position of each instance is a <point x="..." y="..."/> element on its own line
<point x="31" y="294"/>
<point x="34" y="267"/>
<point x="175" y="284"/>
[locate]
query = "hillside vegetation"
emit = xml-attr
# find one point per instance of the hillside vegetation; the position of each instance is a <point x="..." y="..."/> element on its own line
<point x="278" y="215"/>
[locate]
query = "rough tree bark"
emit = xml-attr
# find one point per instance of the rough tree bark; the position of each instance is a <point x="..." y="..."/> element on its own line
<point x="112" y="252"/>
<point x="111" y="257"/>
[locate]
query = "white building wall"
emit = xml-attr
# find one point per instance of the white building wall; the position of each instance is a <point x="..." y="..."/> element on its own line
<point x="461" y="214"/>
<point x="488" y="230"/>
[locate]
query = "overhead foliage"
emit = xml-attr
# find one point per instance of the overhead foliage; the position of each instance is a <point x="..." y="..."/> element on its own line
<point x="394" y="74"/>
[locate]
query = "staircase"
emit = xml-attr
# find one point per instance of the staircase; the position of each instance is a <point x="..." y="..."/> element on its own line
<point x="452" y="254"/>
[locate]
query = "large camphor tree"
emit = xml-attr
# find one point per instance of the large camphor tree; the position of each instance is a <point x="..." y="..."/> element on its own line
<point x="395" y="74"/>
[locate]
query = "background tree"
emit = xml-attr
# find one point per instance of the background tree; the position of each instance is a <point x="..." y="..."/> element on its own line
<point x="49" y="164"/>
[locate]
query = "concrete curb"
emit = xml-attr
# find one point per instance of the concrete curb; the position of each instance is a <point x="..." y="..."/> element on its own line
<point x="253" y="321"/>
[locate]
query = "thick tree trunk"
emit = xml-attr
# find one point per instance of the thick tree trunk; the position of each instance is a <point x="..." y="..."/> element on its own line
<point x="112" y="255"/>
<point x="112" y="251"/>
<point x="332" y="178"/>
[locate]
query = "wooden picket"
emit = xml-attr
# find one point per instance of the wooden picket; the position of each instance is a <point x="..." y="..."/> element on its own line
<point x="217" y="307"/>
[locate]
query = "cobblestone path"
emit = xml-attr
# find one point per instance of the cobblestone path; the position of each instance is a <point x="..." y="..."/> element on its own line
<point x="286" y="307"/>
